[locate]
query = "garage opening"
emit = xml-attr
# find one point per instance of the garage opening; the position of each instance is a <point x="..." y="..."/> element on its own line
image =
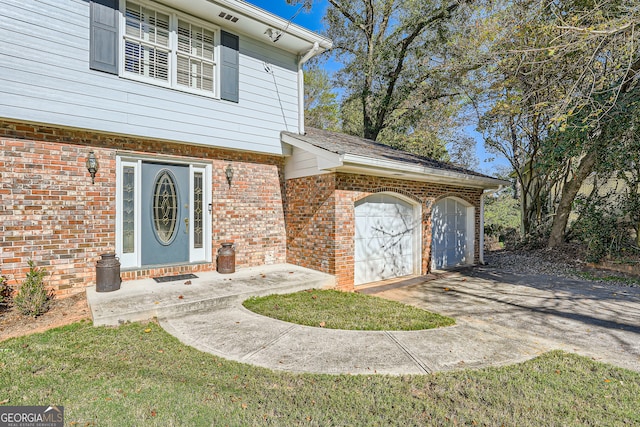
<point x="452" y="233"/>
<point x="387" y="238"/>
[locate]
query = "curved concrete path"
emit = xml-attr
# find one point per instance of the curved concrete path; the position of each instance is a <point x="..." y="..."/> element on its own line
<point x="501" y="319"/>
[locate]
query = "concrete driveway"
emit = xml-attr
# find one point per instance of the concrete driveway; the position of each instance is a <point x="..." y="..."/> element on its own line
<point x="546" y="312"/>
<point x="502" y="318"/>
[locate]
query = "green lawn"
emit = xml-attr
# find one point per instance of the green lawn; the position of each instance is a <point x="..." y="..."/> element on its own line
<point x="345" y="310"/>
<point x="138" y="375"/>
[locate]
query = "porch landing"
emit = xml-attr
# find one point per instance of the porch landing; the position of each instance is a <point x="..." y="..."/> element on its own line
<point x="140" y="300"/>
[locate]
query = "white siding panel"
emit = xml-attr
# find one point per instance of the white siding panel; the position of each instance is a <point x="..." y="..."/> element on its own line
<point x="45" y="77"/>
<point x="301" y="163"/>
<point x="37" y="109"/>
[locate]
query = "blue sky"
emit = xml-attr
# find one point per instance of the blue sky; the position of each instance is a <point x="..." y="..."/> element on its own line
<point x="313" y="21"/>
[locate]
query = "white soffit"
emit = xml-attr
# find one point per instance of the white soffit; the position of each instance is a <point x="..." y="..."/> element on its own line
<point x="246" y="18"/>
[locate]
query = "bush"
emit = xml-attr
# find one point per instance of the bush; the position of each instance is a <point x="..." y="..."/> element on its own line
<point x="602" y="228"/>
<point x="5" y="291"/>
<point x="32" y="298"/>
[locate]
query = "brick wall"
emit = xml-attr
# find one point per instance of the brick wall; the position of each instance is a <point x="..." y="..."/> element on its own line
<point x="52" y="214"/>
<point x="310" y="219"/>
<point x="331" y="248"/>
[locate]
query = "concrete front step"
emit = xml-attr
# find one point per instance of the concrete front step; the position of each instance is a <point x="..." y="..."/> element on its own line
<point x="145" y="299"/>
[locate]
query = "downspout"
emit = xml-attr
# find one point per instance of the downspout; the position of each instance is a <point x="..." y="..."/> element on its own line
<point x="302" y="60"/>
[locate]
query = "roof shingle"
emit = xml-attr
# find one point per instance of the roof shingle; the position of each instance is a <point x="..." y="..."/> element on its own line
<point x="341" y="143"/>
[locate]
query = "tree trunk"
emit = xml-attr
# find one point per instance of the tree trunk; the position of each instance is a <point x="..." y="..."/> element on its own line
<point x="569" y="193"/>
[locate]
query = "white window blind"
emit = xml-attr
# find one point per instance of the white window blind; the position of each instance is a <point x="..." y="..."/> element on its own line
<point x="196" y="50"/>
<point x="165" y="47"/>
<point x="147" y="44"/>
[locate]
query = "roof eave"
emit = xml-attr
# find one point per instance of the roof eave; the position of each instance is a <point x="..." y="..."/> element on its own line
<point x="416" y="172"/>
<point x="270" y="20"/>
<point x="351" y="163"/>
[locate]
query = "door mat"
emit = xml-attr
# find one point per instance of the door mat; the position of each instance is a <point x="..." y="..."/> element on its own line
<point x="164" y="279"/>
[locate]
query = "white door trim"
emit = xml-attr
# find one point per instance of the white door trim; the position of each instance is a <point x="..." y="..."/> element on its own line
<point x="133" y="259"/>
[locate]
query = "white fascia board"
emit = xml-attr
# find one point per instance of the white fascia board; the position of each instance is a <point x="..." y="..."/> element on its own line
<point x="351" y="163"/>
<point x="416" y="172"/>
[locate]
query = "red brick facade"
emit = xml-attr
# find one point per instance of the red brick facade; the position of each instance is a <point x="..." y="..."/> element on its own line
<point x="52" y="214"/>
<point x="321" y="224"/>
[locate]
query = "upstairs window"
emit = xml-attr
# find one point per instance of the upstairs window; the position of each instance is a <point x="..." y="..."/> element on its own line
<point x="169" y="49"/>
<point x="196" y="54"/>
<point x="146" y="42"/>
<point x="151" y="43"/>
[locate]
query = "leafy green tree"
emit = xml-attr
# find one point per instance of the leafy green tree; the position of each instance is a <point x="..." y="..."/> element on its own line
<point x="565" y="82"/>
<point x="320" y="101"/>
<point x="398" y="75"/>
<point x="501" y="212"/>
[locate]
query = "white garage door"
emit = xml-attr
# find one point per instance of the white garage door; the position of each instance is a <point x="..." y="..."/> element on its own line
<point x="450" y="234"/>
<point x="386" y="230"/>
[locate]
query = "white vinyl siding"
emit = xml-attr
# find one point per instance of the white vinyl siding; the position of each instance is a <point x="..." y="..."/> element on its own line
<point x="45" y="78"/>
<point x="302" y="163"/>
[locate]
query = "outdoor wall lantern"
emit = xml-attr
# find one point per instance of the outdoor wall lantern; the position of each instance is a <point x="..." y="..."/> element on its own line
<point x="229" y="173"/>
<point x="92" y="166"/>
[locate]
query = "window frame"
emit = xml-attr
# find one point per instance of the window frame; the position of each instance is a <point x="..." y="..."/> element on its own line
<point x="172" y="63"/>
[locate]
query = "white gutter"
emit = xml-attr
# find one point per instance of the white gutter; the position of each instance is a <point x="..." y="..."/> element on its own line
<point x="302" y="60"/>
<point x="441" y="175"/>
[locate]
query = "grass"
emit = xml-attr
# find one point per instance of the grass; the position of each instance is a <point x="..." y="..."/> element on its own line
<point x="139" y="375"/>
<point x="345" y="310"/>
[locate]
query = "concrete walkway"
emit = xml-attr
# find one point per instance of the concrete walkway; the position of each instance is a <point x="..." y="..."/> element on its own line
<point x="501" y="319"/>
<point x="141" y="300"/>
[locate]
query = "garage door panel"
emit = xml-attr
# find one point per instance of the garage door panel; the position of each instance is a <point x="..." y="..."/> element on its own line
<point x="449" y="234"/>
<point x="385" y="235"/>
<point x="399" y="225"/>
<point x="362" y="223"/>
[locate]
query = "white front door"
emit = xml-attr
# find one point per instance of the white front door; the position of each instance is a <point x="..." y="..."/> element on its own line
<point x="386" y="232"/>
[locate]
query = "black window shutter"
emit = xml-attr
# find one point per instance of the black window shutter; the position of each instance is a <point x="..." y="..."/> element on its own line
<point x="104" y="36"/>
<point x="230" y="70"/>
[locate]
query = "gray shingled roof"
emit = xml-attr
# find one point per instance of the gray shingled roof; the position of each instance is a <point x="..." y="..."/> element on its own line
<point x="340" y="143"/>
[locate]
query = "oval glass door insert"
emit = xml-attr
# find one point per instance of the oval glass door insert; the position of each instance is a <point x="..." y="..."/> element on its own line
<point x="165" y="207"/>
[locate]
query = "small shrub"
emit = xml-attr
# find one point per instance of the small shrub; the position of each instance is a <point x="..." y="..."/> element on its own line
<point x="5" y="291"/>
<point x="32" y="298"/>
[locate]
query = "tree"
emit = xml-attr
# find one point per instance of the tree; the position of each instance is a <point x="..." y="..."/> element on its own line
<point x="566" y="78"/>
<point x="395" y="60"/>
<point x="320" y="101"/>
